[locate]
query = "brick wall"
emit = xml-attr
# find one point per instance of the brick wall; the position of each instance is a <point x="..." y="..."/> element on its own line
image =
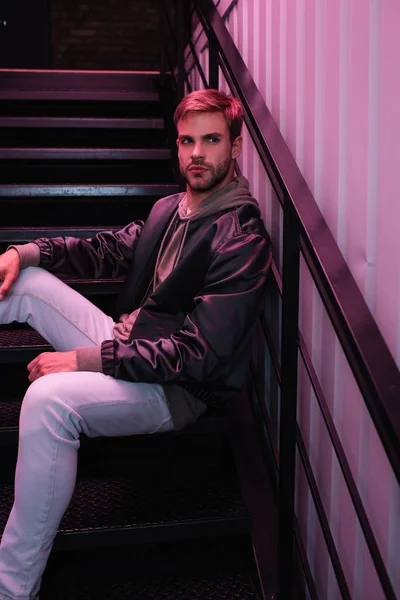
<point x="105" y="34"/>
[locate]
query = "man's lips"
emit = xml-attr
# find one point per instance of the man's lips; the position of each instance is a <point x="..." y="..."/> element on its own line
<point x="197" y="169"/>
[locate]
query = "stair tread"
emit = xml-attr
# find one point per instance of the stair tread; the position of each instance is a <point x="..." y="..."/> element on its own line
<point x="212" y="421"/>
<point x="85" y="153"/>
<point x="21" y="338"/>
<point x="81" y="122"/>
<point x="84" y="285"/>
<point x="79" y="85"/>
<point x="208" y="586"/>
<point x="137" y="497"/>
<point x="67" y="190"/>
<point x="25" y="234"/>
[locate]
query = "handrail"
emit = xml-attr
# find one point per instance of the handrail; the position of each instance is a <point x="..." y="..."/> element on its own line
<point x="307" y="233"/>
<point x="369" y="357"/>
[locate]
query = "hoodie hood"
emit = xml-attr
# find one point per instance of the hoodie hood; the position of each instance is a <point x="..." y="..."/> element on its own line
<point x="234" y="194"/>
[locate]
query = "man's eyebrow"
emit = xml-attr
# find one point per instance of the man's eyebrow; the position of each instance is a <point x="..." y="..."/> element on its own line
<point x="212" y="134"/>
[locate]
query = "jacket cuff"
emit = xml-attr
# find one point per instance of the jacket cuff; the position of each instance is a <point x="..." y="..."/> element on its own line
<point x="29" y="254"/>
<point x="88" y="358"/>
<point x="108" y="357"/>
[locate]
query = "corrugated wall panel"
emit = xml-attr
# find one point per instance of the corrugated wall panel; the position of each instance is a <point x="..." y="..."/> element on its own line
<point x="388" y="212"/>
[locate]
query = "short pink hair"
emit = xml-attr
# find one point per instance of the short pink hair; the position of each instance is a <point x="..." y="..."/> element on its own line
<point x="213" y="101"/>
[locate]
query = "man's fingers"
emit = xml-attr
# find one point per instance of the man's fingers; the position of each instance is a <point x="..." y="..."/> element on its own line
<point x="9" y="270"/>
<point x="32" y="364"/>
<point x="35" y="370"/>
<point x="6" y="285"/>
<point x="52" y="362"/>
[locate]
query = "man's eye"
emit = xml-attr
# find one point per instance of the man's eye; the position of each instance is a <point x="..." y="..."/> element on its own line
<point x="186" y="141"/>
<point x="213" y="140"/>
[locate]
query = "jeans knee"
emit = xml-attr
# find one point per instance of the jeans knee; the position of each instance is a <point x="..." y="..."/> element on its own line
<point x="35" y="404"/>
<point x="43" y="407"/>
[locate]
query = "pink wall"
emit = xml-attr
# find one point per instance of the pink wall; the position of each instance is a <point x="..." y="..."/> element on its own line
<point x="328" y="71"/>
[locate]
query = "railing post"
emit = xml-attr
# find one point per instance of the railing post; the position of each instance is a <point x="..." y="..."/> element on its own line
<point x="180" y="47"/>
<point x="213" y="69"/>
<point x="163" y="41"/>
<point x="287" y="430"/>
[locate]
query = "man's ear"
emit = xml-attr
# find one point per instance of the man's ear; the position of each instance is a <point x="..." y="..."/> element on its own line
<point x="177" y="142"/>
<point x="237" y="147"/>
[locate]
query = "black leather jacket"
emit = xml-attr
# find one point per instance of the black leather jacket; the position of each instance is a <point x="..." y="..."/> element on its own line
<point x="195" y="328"/>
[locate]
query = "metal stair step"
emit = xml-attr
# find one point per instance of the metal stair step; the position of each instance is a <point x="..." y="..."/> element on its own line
<point x="85" y="154"/>
<point x="111" y="166"/>
<point x="82" y="192"/>
<point x="21" y="345"/>
<point x="215" y="568"/>
<point x="82" y="133"/>
<point x="208" y="586"/>
<point x="79" y="108"/>
<point x="22" y="235"/>
<point x="213" y="422"/>
<point x="99" y="96"/>
<point x="80" y="123"/>
<point x="86" y="287"/>
<point x="140" y="502"/>
<point x="92" y="84"/>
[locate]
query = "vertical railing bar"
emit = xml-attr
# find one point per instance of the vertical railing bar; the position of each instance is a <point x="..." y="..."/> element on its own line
<point x="347" y="474"/>
<point x="213" y="61"/>
<point x="323" y="520"/>
<point x="163" y="43"/>
<point x="169" y="25"/>
<point x="197" y="63"/>
<point x="304" y="562"/>
<point x="287" y="430"/>
<point x="180" y="33"/>
<point x="265" y="418"/>
<point x="271" y="347"/>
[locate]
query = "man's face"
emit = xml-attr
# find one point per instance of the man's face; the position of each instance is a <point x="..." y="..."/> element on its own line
<point x="206" y="154"/>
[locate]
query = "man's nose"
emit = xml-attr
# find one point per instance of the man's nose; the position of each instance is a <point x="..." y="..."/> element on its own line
<point x="197" y="151"/>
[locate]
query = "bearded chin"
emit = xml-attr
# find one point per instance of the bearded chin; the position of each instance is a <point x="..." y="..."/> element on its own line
<point x="216" y="176"/>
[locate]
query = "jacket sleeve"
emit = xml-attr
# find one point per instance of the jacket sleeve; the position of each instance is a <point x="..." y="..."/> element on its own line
<point x="225" y="312"/>
<point x="108" y="254"/>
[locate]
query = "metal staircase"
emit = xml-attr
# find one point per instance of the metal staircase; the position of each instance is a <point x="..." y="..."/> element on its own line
<point x="157" y="516"/>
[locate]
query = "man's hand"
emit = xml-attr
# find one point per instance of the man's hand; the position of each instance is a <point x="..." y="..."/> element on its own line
<point x="52" y="362"/>
<point x="9" y="271"/>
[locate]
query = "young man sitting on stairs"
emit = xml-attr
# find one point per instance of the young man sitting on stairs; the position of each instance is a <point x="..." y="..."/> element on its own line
<point x="195" y="277"/>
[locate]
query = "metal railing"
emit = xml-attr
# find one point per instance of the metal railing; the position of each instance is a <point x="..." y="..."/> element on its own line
<point x="305" y="235"/>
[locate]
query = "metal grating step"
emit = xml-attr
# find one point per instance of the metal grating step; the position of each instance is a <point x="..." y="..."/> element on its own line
<point x="65" y="82"/>
<point x="213" y="422"/>
<point x="80" y="172"/>
<point x="220" y="586"/>
<point x="79" y="137"/>
<point x="9" y="415"/>
<point x="80" y="123"/>
<point x="86" y="287"/>
<point x="85" y="154"/>
<point x="78" y="191"/>
<point x="166" y="499"/>
<point x="22" y="235"/>
<point x="21" y="345"/>
<point x="76" y="85"/>
<point x="21" y="338"/>
<point x="115" y="108"/>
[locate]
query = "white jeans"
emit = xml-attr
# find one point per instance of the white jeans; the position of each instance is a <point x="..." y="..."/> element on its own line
<point x="56" y="409"/>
